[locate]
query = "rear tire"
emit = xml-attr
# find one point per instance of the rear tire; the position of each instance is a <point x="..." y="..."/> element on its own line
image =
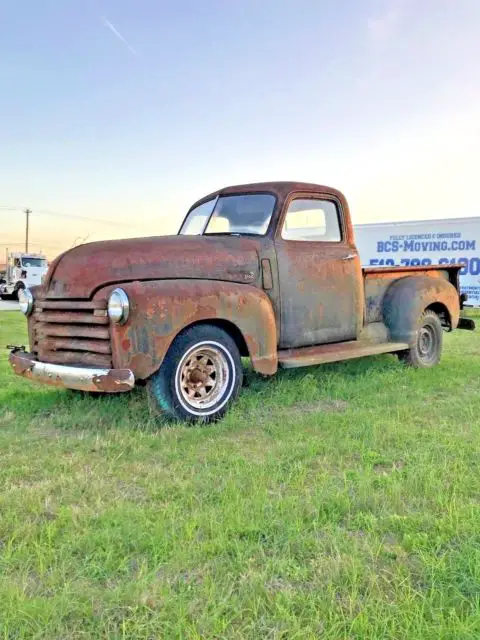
<point x="427" y="350"/>
<point x="200" y="376"/>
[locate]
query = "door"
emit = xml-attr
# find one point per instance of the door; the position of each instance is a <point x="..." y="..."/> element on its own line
<point x="319" y="273"/>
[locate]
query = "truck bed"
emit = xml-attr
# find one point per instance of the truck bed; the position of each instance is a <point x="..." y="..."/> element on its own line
<point x="377" y="280"/>
<point x="450" y="271"/>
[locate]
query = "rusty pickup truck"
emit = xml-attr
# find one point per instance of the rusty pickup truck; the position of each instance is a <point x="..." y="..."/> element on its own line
<point x="264" y="271"/>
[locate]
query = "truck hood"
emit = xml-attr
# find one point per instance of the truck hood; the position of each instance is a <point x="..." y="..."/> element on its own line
<point x="81" y="271"/>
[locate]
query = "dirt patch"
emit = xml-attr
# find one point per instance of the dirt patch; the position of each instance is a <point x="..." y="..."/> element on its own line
<point x="263" y="414"/>
<point x="383" y="469"/>
<point x="7" y="417"/>
<point x="321" y="406"/>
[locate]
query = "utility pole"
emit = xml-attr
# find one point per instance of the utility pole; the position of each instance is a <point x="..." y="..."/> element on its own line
<point x="27" y="213"/>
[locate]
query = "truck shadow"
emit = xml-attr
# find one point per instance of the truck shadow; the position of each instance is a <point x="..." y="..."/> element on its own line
<point x="349" y="369"/>
<point x="64" y="410"/>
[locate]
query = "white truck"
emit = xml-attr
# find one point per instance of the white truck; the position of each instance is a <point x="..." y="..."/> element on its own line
<point x="425" y="242"/>
<point x="24" y="270"/>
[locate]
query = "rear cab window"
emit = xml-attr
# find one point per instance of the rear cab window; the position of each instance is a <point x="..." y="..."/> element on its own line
<point x="312" y="220"/>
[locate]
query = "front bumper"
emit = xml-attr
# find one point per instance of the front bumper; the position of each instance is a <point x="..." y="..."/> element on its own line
<point x="79" y="378"/>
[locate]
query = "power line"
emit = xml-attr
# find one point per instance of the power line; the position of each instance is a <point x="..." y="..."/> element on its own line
<point x="47" y="212"/>
<point x="41" y="243"/>
<point x="67" y="215"/>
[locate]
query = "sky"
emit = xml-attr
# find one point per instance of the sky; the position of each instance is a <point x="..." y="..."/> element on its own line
<point x="124" y="112"/>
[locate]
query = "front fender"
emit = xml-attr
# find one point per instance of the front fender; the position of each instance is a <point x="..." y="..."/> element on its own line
<point x="159" y="310"/>
<point x="407" y="298"/>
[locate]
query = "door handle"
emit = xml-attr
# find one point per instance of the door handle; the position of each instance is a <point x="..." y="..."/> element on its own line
<point x="350" y="256"/>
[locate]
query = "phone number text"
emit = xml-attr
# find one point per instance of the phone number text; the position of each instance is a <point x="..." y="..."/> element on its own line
<point x="470" y="266"/>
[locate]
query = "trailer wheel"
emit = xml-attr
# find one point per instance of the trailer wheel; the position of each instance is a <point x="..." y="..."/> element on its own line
<point x="427" y="350"/>
<point x="200" y="376"/>
<point x="20" y="286"/>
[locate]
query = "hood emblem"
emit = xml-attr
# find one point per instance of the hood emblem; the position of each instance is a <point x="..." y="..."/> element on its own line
<point x="247" y="276"/>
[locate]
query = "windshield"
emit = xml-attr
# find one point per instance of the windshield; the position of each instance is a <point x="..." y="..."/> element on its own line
<point x="34" y="262"/>
<point x="243" y="214"/>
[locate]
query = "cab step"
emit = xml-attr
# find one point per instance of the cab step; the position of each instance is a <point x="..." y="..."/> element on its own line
<point x="321" y="354"/>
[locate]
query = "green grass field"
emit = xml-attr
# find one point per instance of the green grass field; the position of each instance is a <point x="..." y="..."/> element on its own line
<point x="340" y="501"/>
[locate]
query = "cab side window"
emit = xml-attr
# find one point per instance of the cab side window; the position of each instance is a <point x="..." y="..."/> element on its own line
<point x="312" y="220"/>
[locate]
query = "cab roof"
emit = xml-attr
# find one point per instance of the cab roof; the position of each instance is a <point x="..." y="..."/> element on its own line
<point x="282" y="189"/>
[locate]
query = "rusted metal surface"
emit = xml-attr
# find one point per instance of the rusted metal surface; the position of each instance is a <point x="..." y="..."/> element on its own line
<point x="21" y="362"/>
<point x="270" y="293"/>
<point x="159" y="310"/>
<point x="407" y="298"/>
<point x="71" y="332"/>
<point x="282" y="190"/>
<point x="81" y="271"/>
<point x="374" y="333"/>
<point x="378" y="280"/>
<point x="82" y="379"/>
<point x="446" y="271"/>
<point x="322" y="354"/>
<point x="114" y="381"/>
<point x="71" y="305"/>
<point x="320" y="293"/>
<point x="77" y="358"/>
<point x="69" y="317"/>
<point x="267" y="276"/>
<point x="320" y="282"/>
<point x="66" y="344"/>
<point x="88" y="267"/>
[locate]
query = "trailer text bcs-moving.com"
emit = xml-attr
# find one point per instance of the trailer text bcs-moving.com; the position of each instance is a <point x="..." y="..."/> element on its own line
<point x="425" y="242"/>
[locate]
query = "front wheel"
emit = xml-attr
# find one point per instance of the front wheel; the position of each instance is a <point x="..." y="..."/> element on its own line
<point x="200" y="376"/>
<point x="427" y="350"/>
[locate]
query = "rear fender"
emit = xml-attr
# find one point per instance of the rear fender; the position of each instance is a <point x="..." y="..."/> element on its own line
<point x="407" y="298"/>
<point x="159" y="310"/>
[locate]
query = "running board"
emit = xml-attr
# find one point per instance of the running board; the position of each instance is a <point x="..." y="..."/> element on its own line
<point x="321" y="354"/>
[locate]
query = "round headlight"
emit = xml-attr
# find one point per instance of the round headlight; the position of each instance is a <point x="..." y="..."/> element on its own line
<point x="25" y="300"/>
<point x="118" y="306"/>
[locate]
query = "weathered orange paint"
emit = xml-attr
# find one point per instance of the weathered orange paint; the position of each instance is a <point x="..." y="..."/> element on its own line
<point x="274" y="295"/>
<point x="161" y="309"/>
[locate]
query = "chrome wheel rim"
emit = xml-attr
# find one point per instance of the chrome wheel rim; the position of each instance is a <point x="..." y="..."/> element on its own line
<point x="203" y="377"/>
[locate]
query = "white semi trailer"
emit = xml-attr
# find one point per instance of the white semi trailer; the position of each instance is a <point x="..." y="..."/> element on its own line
<point x="23" y="270"/>
<point x="424" y="242"/>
